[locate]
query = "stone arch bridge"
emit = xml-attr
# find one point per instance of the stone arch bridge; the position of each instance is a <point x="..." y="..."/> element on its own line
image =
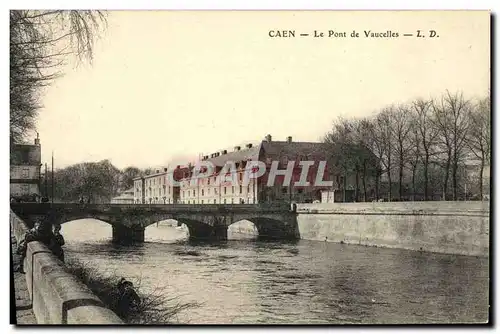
<point x="209" y="221"/>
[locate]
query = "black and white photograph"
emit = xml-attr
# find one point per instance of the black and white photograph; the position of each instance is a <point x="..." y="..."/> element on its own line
<point x="250" y="167"/>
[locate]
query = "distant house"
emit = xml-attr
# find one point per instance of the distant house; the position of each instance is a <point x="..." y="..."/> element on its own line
<point x="126" y="197"/>
<point x="25" y="164"/>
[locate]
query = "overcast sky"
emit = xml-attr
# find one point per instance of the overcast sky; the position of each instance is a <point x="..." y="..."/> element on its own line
<point x="171" y="85"/>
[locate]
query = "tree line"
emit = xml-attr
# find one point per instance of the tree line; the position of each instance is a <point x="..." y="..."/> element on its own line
<point x="418" y="150"/>
<point x="94" y="182"/>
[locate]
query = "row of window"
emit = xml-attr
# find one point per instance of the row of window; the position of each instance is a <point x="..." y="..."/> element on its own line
<point x="223" y="201"/>
<point x="154" y="192"/>
<point x="156" y="200"/>
<point x="25" y="172"/>
<point x="215" y="191"/>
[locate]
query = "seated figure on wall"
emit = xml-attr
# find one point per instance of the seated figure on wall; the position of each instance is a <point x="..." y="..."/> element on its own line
<point x="40" y="232"/>
<point x="126" y="298"/>
<point x="56" y="243"/>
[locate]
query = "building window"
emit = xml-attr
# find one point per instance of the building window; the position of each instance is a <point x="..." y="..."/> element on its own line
<point x="194" y="193"/>
<point x="208" y="181"/>
<point x="25" y="173"/>
<point x="224" y="201"/>
<point x="215" y="201"/>
<point x="241" y="189"/>
<point x="232" y="189"/>
<point x="232" y="200"/>
<point x="202" y="192"/>
<point x="215" y="191"/>
<point x="248" y="189"/>
<point x="201" y="201"/>
<point x="283" y="190"/>
<point x="225" y="190"/>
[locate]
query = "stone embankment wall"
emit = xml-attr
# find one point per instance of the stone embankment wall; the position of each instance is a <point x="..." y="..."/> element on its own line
<point x="443" y="227"/>
<point x="57" y="296"/>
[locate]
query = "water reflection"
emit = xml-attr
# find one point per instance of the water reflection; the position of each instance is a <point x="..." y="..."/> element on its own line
<point x="249" y="281"/>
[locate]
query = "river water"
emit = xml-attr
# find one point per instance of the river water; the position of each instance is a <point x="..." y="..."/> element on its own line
<point x="309" y="282"/>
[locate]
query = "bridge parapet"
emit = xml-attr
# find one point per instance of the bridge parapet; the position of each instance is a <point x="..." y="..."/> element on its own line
<point x="42" y="208"/>
<point x="130" y="220"/>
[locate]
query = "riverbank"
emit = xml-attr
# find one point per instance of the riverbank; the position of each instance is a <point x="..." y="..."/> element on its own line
<point x="23" y="307"/>
<point x="460" y="228"/>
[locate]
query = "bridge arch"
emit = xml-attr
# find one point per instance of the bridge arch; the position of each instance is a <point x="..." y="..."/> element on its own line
<point x="242" y="229"/>
<point x="69" y="219"/>
<point x="272" y="227"/>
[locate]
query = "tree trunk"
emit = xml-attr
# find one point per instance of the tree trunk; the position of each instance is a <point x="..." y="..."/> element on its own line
<point x="481" y="171"/>
<point x="426" y="177"/>
<point x="446" y="176"/>
<point x="389" y="194"/>
<point x="401" y="180"/>
<point x="377" y="185"/>
<point x="364" y="182"/>
<point x="454" y="171"/>
<point x="356" y="191"/>
<point x="413" y="172"/>
<point x="344" y="186"/>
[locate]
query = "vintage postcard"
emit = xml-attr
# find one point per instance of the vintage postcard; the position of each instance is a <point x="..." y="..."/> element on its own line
<point x="250" y="167"/>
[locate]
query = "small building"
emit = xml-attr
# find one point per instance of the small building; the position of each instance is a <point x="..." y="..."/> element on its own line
<point x="126" y="197"/>
<point x="157" y="188"/>
<point x="25" y="165"/>
<point x="337" y="196"/>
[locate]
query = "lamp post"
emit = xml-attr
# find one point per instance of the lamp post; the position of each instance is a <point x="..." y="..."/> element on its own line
<point x="52" y="201"/>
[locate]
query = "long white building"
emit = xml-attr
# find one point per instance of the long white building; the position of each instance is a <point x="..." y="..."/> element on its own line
<point x="157" y="188"/>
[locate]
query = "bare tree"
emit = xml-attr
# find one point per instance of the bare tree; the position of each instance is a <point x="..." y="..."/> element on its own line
<point x="400" y="132"/>
<point x="341" y="155"/>
<point x="369" y="162"/>
<point x="479" y="136"/>
<point x="414" y="148"/>
<point x="39" y="44"/>
<point x="382" y="134"/>
<point x="452" y="120"/>
<point x="427" y="133"/>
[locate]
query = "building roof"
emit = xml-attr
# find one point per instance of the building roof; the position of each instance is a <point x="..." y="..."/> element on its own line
<point x="131" y="190"/>
<point x="294" y="150"/>
<point x="124" y="196"/>
<point x="274" y="150"/>
<point x="266" y="149"/>
<point x="247" y="154"/>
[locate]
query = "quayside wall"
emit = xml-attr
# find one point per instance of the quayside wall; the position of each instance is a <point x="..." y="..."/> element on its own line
<point x="57" y="296"/>
<point x="442" y="227"/>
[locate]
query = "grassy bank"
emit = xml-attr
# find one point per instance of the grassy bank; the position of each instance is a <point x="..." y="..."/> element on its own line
<point x="155" y="307"/>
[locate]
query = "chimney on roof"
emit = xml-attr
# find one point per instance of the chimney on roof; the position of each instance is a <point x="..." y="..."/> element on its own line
<point x="165" y="169"/>
<point x="157" y="171"/>
<point x="178" y="167"/>
<point x="249" y="145"/>
<point x="269" y="138"/>
<point x="289" y="139"/>
<point x="237" y="148"/>
<point x="224" y="152"/>
<point x="217" y="154"/>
